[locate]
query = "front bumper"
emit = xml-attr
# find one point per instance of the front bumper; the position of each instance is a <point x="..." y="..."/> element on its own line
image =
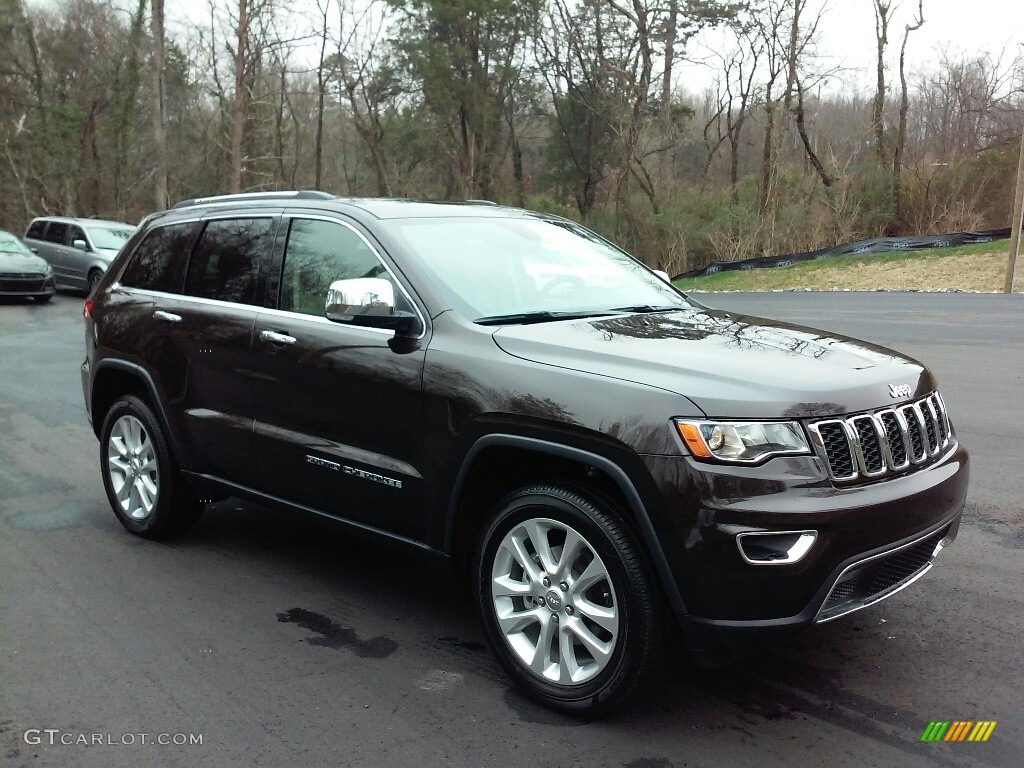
<point x="872" y="540"/>
<point x="18" y="286"/>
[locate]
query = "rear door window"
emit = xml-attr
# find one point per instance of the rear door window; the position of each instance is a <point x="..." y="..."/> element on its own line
<point x="158" y="264"/>
<point x="227" y="261"/>
<point x="36" y="229"/>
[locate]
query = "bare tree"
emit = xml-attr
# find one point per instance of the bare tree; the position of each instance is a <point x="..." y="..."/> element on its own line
<point x="882" y="11"/>
<point x="241" y="101"/>
<point x="901" y="135"/>
<point x="160" y="197"/>
<point x="324" y="7"/>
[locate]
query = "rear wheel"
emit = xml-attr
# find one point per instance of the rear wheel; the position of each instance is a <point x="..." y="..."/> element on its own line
<point x="94" y="279"/>
<point x="143" y="484"/>
<point x="567" y="602"/>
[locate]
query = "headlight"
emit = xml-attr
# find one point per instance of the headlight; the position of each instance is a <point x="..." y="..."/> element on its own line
<point x="49" y="268"/>
<point x="742" y="441"/>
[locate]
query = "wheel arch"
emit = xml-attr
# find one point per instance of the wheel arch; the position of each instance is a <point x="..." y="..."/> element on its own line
<point x="114" y="378"/>
<point x="462" y="525"/>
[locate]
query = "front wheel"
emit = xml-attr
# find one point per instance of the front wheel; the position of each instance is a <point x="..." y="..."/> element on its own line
<point x="94" y="279"/>
<point x="568" y="605"/>
<point x="142" y="482"/>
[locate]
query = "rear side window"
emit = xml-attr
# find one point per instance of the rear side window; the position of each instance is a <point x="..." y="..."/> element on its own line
<point x="159" y="261"/>
<point x="35" y="229"/>
<point x="56" y="232"/>
<point x="225" y="263"/>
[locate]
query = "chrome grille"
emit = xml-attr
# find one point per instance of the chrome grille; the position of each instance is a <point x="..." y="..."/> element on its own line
<point x="836" y="445"/>
<point x="890" y="440"/>
<point x="894" y="437"/>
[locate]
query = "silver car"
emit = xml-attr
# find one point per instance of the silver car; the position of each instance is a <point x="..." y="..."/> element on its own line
<point x="79" y="250"/>
<point x="22" y="273"/>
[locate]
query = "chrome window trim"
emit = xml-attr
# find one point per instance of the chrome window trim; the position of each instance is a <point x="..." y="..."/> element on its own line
<point x="244" y="307"/>
<point x="289" y="215"/>
<point x="420" y="314"/>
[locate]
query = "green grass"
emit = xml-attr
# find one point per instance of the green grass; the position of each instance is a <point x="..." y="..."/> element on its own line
<point x="968" y="267"/>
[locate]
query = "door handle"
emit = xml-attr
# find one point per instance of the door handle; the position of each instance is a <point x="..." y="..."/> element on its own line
<point x="167" y="317"/>
<point x="276" y="338"/>
<point x="34" y="249"/>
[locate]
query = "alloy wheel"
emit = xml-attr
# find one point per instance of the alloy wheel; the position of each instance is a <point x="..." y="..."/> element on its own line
<point x="554" y="601"/>
<point x="133" y="468"/>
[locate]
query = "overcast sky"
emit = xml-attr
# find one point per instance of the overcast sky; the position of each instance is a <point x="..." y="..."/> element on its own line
<point x="847" y="33"/>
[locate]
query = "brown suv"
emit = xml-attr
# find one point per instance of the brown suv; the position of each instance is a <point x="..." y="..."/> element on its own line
<point x="508" y="392"/>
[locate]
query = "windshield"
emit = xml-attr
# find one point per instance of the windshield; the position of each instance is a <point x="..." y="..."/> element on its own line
<point x="497" y="267"/>
<point x="109" y="238"/>
<point x="10" y="244"/>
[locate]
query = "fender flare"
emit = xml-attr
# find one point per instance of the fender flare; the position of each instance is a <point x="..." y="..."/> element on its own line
<point x="606" y="465"/>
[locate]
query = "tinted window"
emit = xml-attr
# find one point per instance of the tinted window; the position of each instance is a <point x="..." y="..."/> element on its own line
<point x="157" y="263"/>
<point x="35" y="230"/>
<point x="225" y="264"/>
<point x="318" y="253"/>
<point x="56" y="232"/>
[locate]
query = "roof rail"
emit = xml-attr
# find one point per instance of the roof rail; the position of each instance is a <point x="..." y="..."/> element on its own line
<point x="303" y="194"/>
<point x="479" y="202"/>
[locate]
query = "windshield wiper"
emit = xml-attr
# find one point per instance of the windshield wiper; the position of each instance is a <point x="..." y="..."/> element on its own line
<point x="648" y="308"/>
<point x="543" y="316"/>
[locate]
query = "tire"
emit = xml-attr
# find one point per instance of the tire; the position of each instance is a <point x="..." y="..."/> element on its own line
<point x="142" y="481"/>
<point x="604" y="643"/>
<point x="95" y="276"/>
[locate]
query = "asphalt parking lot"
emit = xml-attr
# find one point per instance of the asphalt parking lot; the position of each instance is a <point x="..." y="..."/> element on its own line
<point x="283" y="642"/>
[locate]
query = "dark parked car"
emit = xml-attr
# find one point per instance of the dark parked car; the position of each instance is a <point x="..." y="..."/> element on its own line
<point x="22" y="273"/>
<point x="79" y="250"/>
<point x="589" y="448"/>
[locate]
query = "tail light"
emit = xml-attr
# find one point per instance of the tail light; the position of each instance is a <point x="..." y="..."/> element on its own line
<point x="87" y="309"/>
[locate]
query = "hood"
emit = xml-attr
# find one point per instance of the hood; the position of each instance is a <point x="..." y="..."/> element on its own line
<point x="728" y="365"/>
<point x="107" y="254"/>
<point x="21" y="262"/>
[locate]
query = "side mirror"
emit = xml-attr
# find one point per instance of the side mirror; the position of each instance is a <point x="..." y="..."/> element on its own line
<point x="80" y="245"/>
<point x="663" y="275"/>
<point x="366" y="301"/>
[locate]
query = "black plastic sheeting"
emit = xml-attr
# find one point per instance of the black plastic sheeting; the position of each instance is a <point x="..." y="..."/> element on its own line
<point x="874" y="245"/>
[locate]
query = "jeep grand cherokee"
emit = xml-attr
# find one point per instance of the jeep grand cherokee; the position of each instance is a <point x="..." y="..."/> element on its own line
<point x="588" y="450"/>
